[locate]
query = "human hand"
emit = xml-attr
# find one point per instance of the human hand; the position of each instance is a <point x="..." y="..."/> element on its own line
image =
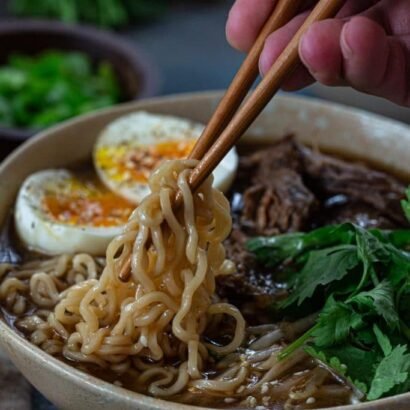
<point x="367" y="46"/>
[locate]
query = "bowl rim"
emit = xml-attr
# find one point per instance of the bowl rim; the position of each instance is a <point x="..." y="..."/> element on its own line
<point x="141" y="64"/>
<point x="9" y="337"/>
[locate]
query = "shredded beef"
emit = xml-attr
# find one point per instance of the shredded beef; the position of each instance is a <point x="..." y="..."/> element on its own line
<point x="281" y="204"/>
<point x="276" y="200"/>
<point x="289" y="187"/>
<point x="373" y="189"/>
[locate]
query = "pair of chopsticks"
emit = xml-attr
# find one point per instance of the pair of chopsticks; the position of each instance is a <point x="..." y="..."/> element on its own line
<point x="230" y="120"/>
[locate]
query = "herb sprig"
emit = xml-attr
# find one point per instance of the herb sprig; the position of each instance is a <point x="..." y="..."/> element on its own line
<point x="362" y="280"/>
<point x="38" y="91"/>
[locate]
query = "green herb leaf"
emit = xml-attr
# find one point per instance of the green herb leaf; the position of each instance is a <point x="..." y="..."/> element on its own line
<point x="354" y="363"/>
<point x="382" y="340"/>
<point x="370" y="250"/>
<point x="381" y="300"/>
<point x="392" y="371"/>
<point x="273" y="250"/>
<point x="323" y="267"/>
<point x="335" y="323"/>
<point x="43" y="90"/>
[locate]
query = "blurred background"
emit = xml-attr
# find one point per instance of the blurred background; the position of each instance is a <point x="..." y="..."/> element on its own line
<point x="62" y="58"/>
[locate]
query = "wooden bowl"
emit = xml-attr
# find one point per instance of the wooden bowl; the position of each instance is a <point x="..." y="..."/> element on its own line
<point x="332" y="127"/>
<point x="136" y="75"/>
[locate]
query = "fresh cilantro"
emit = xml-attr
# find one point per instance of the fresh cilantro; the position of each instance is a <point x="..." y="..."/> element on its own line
<point x="349" y="361"/>
<point x="381" y="300"/>
<point x="335" y="323"/>
<point x="370" y="251"/>
<point x="365" y="338"/>
<point x="391" y="371"/>
<point x="323" y="267"/>
<point x="274" y="250"/>
<point x="382" y="340"/>
<point x="333" y="362"/>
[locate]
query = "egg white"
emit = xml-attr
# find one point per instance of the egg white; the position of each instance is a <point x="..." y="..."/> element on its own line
<point x="144" y="129"/>
<point x="41" y="233"/>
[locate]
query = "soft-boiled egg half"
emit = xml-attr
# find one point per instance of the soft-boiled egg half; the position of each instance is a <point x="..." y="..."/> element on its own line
<point x="130" y="148"/>
<point x="58" y="212"/>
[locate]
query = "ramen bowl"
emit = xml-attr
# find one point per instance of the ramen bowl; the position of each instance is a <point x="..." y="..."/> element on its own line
<point x="331" y="127"/>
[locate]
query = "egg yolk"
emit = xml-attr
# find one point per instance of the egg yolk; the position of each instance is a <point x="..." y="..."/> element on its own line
<point x="85" y="203"/>
<point x="126" y="163"/>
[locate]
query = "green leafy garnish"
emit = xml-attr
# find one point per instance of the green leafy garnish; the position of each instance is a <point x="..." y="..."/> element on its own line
<point x="380" y="299"/>
<point x="361" y="280"/>
<point x="390" y="372"/>
<point x="323" y="267"/>
<point x="39" y="91"/>
<point x="335" y="323"/>
<point x="382" y="340"/>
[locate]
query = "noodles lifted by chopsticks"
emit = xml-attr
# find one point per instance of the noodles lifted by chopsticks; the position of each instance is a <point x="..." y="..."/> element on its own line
<point x="163" y="311"/>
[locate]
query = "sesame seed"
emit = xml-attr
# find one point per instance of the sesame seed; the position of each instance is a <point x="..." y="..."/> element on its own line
<point x="265" y="388"/>
<point x="251" y="401"/>
<point x="229" y="400"/>
<point x="259" y="408"/>
<point x="265" y="400"/>
<point x="310" y="400"/>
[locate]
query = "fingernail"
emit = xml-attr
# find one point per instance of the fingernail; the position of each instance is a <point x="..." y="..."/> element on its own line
<point x="302" y="48"/>
<point x="262" y="65"/>
<point x="265" y="61"/>
<point x="304" y="55"/>
<point x="347" y="49"/>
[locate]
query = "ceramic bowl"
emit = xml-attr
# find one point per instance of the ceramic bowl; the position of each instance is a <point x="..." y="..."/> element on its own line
<point x="332" y="127"/>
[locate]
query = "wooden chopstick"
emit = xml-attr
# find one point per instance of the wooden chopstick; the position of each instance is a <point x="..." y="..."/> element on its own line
<point x="237" y="91"/>
<point x="244" y="78"/>
<point x="216" y="141"/>
<point x="253" y="106"/>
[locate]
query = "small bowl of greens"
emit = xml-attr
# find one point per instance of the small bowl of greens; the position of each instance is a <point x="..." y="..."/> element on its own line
<point x="50" y="72"/>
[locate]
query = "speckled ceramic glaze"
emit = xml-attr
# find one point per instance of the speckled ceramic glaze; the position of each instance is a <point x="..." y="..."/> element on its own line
<point x="330" y="127"/>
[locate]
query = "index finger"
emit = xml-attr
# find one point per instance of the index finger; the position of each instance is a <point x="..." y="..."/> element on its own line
<point x="247" y="18"/>
<point x="245" y="21"/>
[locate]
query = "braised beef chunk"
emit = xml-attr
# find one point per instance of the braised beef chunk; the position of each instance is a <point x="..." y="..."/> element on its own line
<point x="275" y="199"/>
<point x="260" y="165"/>
<point x="280" y="204"/>
<point x="288" y="187"/>
<point x="376" y="190"/>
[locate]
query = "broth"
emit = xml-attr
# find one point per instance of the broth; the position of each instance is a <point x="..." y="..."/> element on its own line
<point x="304" y="383"/>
